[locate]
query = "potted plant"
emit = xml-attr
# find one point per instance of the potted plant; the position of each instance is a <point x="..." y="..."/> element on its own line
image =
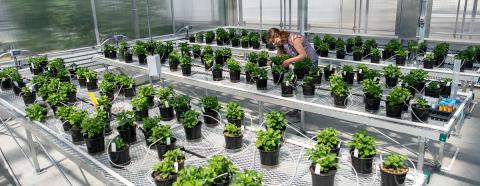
<point x="162" y="137"/>
<point x="165" y="98"/>
<point x="253" y="57"/>
<point x="422" y="47"/>
<point x="420" y="110"/>
<point x="361" y="69"/>
<point x="181" y="104"/>
<point x="392" y="73"/>
<point x="445" y="87"/>
<point x="209" y="37"/>
<point x="109" y="51"/>
<point x="348" y="74"/>
<point x="375" y="55"/>
<point x="349" y="45"/>
<point x="393" y="170"/>
<point x="440" y="52"/>
<point x="150" y="46"/>
<point x="82" y="81"/>
<point x="323" y="49"/>
<point x="301" y="68"/>
<point x="235" y="114"/>
<point x="63" y="114"/>
<point x="368" y="46"/>
<point x="415" y="80"/>
<point x="400" y="56"/>
<point x="269" y="143"/>
<point x="36" y="112"/>
<point x="124" y="52"/>
<point x="396" y="100"/>
<point x="148" y="124"/>
<point x="219" y="170"/>
<point x="373" y="94"/>
<point x="105" y="103"/>
<point x="177" y="156"/>
<point x="91" y="78"/>
<point x="261" y="78"/>
<point x="186" y="64"/>
<point x="162" y="51"/>
<point x="235" y="69"/>
<point x="184" y="49"/>
<point x="276" y="120"/>
<point x="248" y="177"/>
<point x="244" y="41"/>
<point x="358" y="41"/>
<point x="328" y="71"/>
<point x="199" y="37"/>
<point x="149" y="92"/>
<point x="221" y="36"/>
<point x="467" y="57"/>
<point x="17" y="81"/>
<point x="340" y="49"/>
<point x="36" y="64"/>
<point x="324" y="165"/>
<point x="432" y="89"/>
<point x="233" y="137"/>
<point x="278" y="59"/>
<point x="191" y="124"/>
<point x="357" y="53"/>
<point x="330" y="41"/>
<point x="308" y="86"/>
<point x="174" y="60"/>
<point x="164" y="173"/>
<point x="254" y="41"/>
<point x="328" y="137"/>
<point x="107" y="88"/>
<point x="56" y="99"/>
<point x="288" y="84"/>
<point x="126" y="126"/>
<point x="208" y="61"/>
<point x="235" y="40"/>
<point x="211" y="109"/>
<point x="262" y="58"/>
<point x="316" y="44"/>
<point x="140" y="51"/>
<point x="93" y="129"/>
<point x="277" y="73"/>
<point x="217" y="72"/>
<point x="127" y="85"/>
<point x="69" y="90"/>
<point x="339" y="90"/>
<point x="119" y="153"/>
<point x="428" y="61"/>
<point x="196" y="50"/>
<point x="191" y="175"/>
<point x="75" y="119"/>
<point x="140" y="106"/>
<point x="362" y="151"/>
<point x="249" y="69"/>
<point x="392" y="46"/>
<point x="28" y="96"/>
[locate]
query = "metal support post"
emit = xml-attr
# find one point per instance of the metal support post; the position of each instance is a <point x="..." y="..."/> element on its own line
<point x="455" y="78"/>
<point x="355" y="17"/>
<point x="302" y="121"/>
<point x="284" y="14"/>
<point x="33" y="150"/>
<point x="136" y="26"/>
<point x="173" y="17"/>
<point x="206" y="92"/>
<point x="456" y="20"/>
<point x="281" y="15"/>
<point x="359" y="25"/>
<point x="261" y="14"/>
<point x="54" y="163"/>
<point x="367" y="7"/>
<point x="441" y="150"/>
<point x="260" y="112"/>
<point x="149" y="27"/>
<point x="95" y="24"/>
<point x="421" y="153"/>
<point x="474" y="15"/>
<point x="463" y="17"/>
<point x="302" y="16"/>
<point x="289" y="14"/>
<point x="240" y="13"/>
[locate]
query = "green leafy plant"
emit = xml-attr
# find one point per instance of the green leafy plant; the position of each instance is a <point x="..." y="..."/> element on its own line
<point x="184" y="50"/>
<point x="278" y="69"/>
<point x="428" y="57"/>
<point x="393" y="45"/>
<point x="415" y="76"/>
<point x="375" y="52"/>
<point x="76" y="118"/>
<point x="221" y="34"/>
<point x="433" y="85"/>
<point x="316" y="42"/>
<point x="279" y="59"/>
<point x="369" y="44"/>
<point x="358" y="41"/>
<point x="244" y="39"/>
<point x="234" y="111"/>
<point x="36" y="112"/>
<point x="107" y="48"/>
<point x="401" y="52"/>
<point x="263" y="55"/>
<point x="440" y="50"/>
<point x="394" y="161"/>
<point x="338" y="86"/>
<point x="364" y="143"/>
<point x="185" y="61"/>
<point x="398" y="96"/>
<point x="199" y="36"/>
<point x="328" y="137"/>
<point x="190" y="175"/>
<point x="160" y="134"/>
<point x="276" y="120"/>
<point x="36" y="62"/>
<point x="124" y="81"/>
<point x="421" y="103"/>
<point x="303" y="65"/>
<point x="372" y="89"/>
<point x="63" y="112"/>
<point x="151" y="122"/>
<point x="392" y="71"/>
<point x="165" y="93"/>
<point x="210" y="35"/>
<point x="232" y="130"/>
<point x="347" y="68"/>
<point x="164" y="169"/>
<point x="56" y="64"/>
<point x="181" y="102"/>
<point x="146" y="90"/>
<point x="314" y="71"/>
<point x="122" y="48"/>
<point x="93" y="127"/>
<point x="308" y="81"/>
<point x="323" y="47"/>
<point x="219" y="169"/>
<point x="260" y="73"/>
<point x="252" y="57"/>
<point x="289" y="79"/>
<point x="107" y="86"/>
<point x="320" y="154"/>
<point x="269" y="140"/>
<point x="217" y="67"/>
<point x="174" y="56"/>
<point x="119" y="144"/>
<point x="196" y="49"/>
<point x="56" y="99"/>
<point x="139" y="102"/>
<point x="139" y="48"/>
<point x="357" y="50"/>
<point x="210" y="102"/>
<point x="190" y="119"/>
<point x="248" y="178"/>
<point x="233" y="65"/>
<point x="174" y="155"/>
<point x="125" y="119"/>
<point x="329" y="39"/>
<point x="250" y="67"/>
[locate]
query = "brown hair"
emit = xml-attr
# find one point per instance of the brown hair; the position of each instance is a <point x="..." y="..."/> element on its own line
<point x="275" y="32"/>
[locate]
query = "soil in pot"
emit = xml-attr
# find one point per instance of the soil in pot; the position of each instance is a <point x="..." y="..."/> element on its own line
<point x="261" y="84"/>
<point x="77" y="136"/>
<point x="128" y="135"/>
<point x="391" y="177"/>
<point x="210" y="117"/>
<point x="420" y="114"/>
<point x="92" y="84"/>
<point x="140" y="114"/>
<point x="362" y="165"/>
<point x="308" y="90"/>
<point x="375" y="59"/>
<point x="400" y="61"/>
<point x="234" y="76"/>
<point x="166" y="113"/>
<point x="187" y="70"/>
<point x="348" y="77"/>
<point x="164" y="182"/>
<point x="327" y="179"/>
<point x="96" y="144"/>
<point x="195" y="132"/>
<point x="372" y="104"/>
<point x="269" y="158"/>
<point x="163" y="148"/>
<point x="29" y="98"/>
<point x="394" y="111"/>
<point x="233" y="142"/>
<point x="119" y="157"/>
<point x="129" y="92"/>
<point x="391" y="81"/>
<point x="217" y="74"/>
<point x="340" y="101"/>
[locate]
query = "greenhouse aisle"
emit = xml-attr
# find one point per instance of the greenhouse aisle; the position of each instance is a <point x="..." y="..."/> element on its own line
<point x="463" y="172"/>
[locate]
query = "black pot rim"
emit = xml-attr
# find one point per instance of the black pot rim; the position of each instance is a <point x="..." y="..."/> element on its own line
<point x="330" y="173"/>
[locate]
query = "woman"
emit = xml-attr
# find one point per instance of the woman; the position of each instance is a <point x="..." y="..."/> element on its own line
<point x="295" y="45"/>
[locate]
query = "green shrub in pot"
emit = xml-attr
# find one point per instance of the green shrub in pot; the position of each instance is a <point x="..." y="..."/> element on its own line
<point x="160" y="133"/>
<point x="329" y="137"/>
<point x="36" y="112"/>
<point x="324" y="162"/>
<point x="275" y="120"/>
<point x="164" y="172"/>
<point x="248" y="178"/>
<point x="269" y="140"/>
<point x="363" y="150"/>
<point x="219" y="170"/>
<point x="393" y="169"/>
<point x="191" y="175"/>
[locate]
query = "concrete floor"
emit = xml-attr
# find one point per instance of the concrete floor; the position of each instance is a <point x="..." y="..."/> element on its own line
<point x="464" y="171"/>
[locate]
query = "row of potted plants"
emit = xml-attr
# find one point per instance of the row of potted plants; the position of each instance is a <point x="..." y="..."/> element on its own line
<point x="243" y="39"/>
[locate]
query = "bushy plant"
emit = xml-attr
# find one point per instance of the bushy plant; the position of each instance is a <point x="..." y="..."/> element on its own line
<point x="347" y="68"/>
<point x="358" y="41"/>
<point x="275" y="120"/>
<point x="139" y="102"/>
<point x="328" y="137"/>
<point x="401" y="52"/>
<point x="394" y="161"/>
<point x="190" y="118"/>
<point x="219" y="169"/>
<point x="252" y="57"/>
<point x="181" y="102"/>
<point x="36" y="112"/>
<point x="207" y="50"/>
<point x="125" y="119"/>
<point x="278" y="69"/>
<point x="107" y="86"/>
<point x="119" y="144"/>
<point x="338" y="86"/>
<point x="139" y="48"/>
<point x="372" y="89"/>
<point x="440" y="50"/>
<point x="160" y="134"/>
<point x="151" y="122"/>
<point x="174" y="155"/>
<point x="308" y="81"/>
<point x="433" y="85"/>
<point x="232" y="130"/>
<point x="289" y="79"/>
<point x="124" y="81"/>
<point x="248" y="178"/>
<point x="63" y="112"/>
<point x="210" y="35"/>
<point x="421" y="103"/>
<point x="415" y="76"/>
<point x="250" y="67"/>
<point x="314" y="71"/>
<point x="364" y="143"/>
<point x="146" y="90"/>
<point x="165" y="93"/>
<point x="76" y="118"/>
<point x="233" y="65"/>
<point x="260" y="73"/>
<point x="269" y="140"/>
<point x="392" y="71"/>
<point x="190" y="175"/>
<point x="210" y="102"/>
<point x="303" y="65"/>
<point x="234" y="111"/>
<point x="93" y="127"/>
<point x="320" y="154"/>
<point x="393" y="45"/>
<point x="375" y="52"/>
<point x="279" y="59"/>
<point x="398" y="96"/>
<point x="164" y="169"/>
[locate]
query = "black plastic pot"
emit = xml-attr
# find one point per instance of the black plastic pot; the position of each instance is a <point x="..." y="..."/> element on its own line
<point x="233" y="142"/>
<point x="17" y="89"/>
<point x="244" y="44"/>
<point x="375" y="59"/>
<point x="237" y="122"/>
<point x="340" y="54"/>
<point x="128" y="135"/>
<point x="445" y="90"/>
<point x="72" y="97"/>
<point x="391" y="81"/>
<point x="439" y="61"/>
<point x="208" y="40"/>
<point x="420" y="114"/>
<point x="219" y="42"/>
<point x="217" y="74"/>
<point x="262" y="62"/>
<point x="220" y="60"/>
<point x="140" y="114"/>
<point x="287" y="91"/>
<point x="166" y="113"/>
<point x="128" y="57"/>
<point x="92" y="85"/>
<point x="95" y="145"/>
<point x="82" y="82"/>
<point x="277" y="77"/>
<point x="194" y="133"/>
<point x="187" y="70"/>
<point x="261" y="84"/>
<point x="427" y="64"/>
<point x="129" y="92"/>
<point x="328" y="73"/>
<point x="142" y="59"/>
<point x="394" y="111"/>
<point x="362" y="165"/>
<point x="163" y="148"/>
<point x="360" y="77"/>
<point x="234" y="76"/>
<point x="323" y="53"/>
<point x="248" y="77"/>
<point x="432" y="92"/>
<point x="36" y="71"/>
<point x="357" y="56"/>
<point x="6" y="84"/>
<point x="29" y="98"/>
<point x="387" y="54"/>
<point x="235" y="42"/>
<point x="191" y="39"/>
<point x="317" y="79"/>
<point x="420" y="87"/>
<point x="308" y="90"/>
<point x="269" y="158"/>
<point x="210" y="117"/>
<point x="327" y="179"/>
<point x="256" y="46"/>
<point x="348" y="77"/>
<point x="372" y="104"/>
<point x="388" y="179"/>
<point x="400" y="60"/>
<point x="300" y="73"/>
<point x="77" y="136"/>
<point x="165" y="182"/>
<point x="173" y="65"/>
<point x="349" y="48"/>
<point x="179" y="112"/>
<point x="121" y="157"/>
<point x="340" y="100"/>
<point x="112" y="54"/>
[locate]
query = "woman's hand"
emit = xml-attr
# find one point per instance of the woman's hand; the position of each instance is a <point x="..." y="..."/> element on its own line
<point x="286" y="63"/>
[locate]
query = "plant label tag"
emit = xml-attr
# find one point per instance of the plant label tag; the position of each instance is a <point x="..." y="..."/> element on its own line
<point x="360" y="71"/>
<point x="317" y="168"/>
<point x="88" y="80"/>
<point x="31" y="64"/>
<point x="339" y="144"/>
<point x="114" y="147"/>
<point x="344" y="73"/>
<point x="243" y="127"/>
<point x="330" y="67"/>
<point x="355" y="153"/>
<point x="168" y="141"/>
<point x="287" y="83"/>
<point x="381" y="158"/>
<point x="448" y="83"/>
<point x="176" y="166"/>
<point x="166" y="104"/>
<point x="375" y="79"/>
<point x="48" y="68"/>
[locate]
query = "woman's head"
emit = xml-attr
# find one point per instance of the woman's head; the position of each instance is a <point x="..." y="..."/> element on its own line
<point x="277" y="37"/>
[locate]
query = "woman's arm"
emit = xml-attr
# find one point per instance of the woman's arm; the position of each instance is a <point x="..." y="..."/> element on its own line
<point x="297" y="44"/>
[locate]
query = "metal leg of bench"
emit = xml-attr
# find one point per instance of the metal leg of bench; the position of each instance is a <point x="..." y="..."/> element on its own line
<point x="302" y="121"/>
<point x="260" y="112"/>
<point x="421" y="153"/>
<point x="33" y="150"/>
